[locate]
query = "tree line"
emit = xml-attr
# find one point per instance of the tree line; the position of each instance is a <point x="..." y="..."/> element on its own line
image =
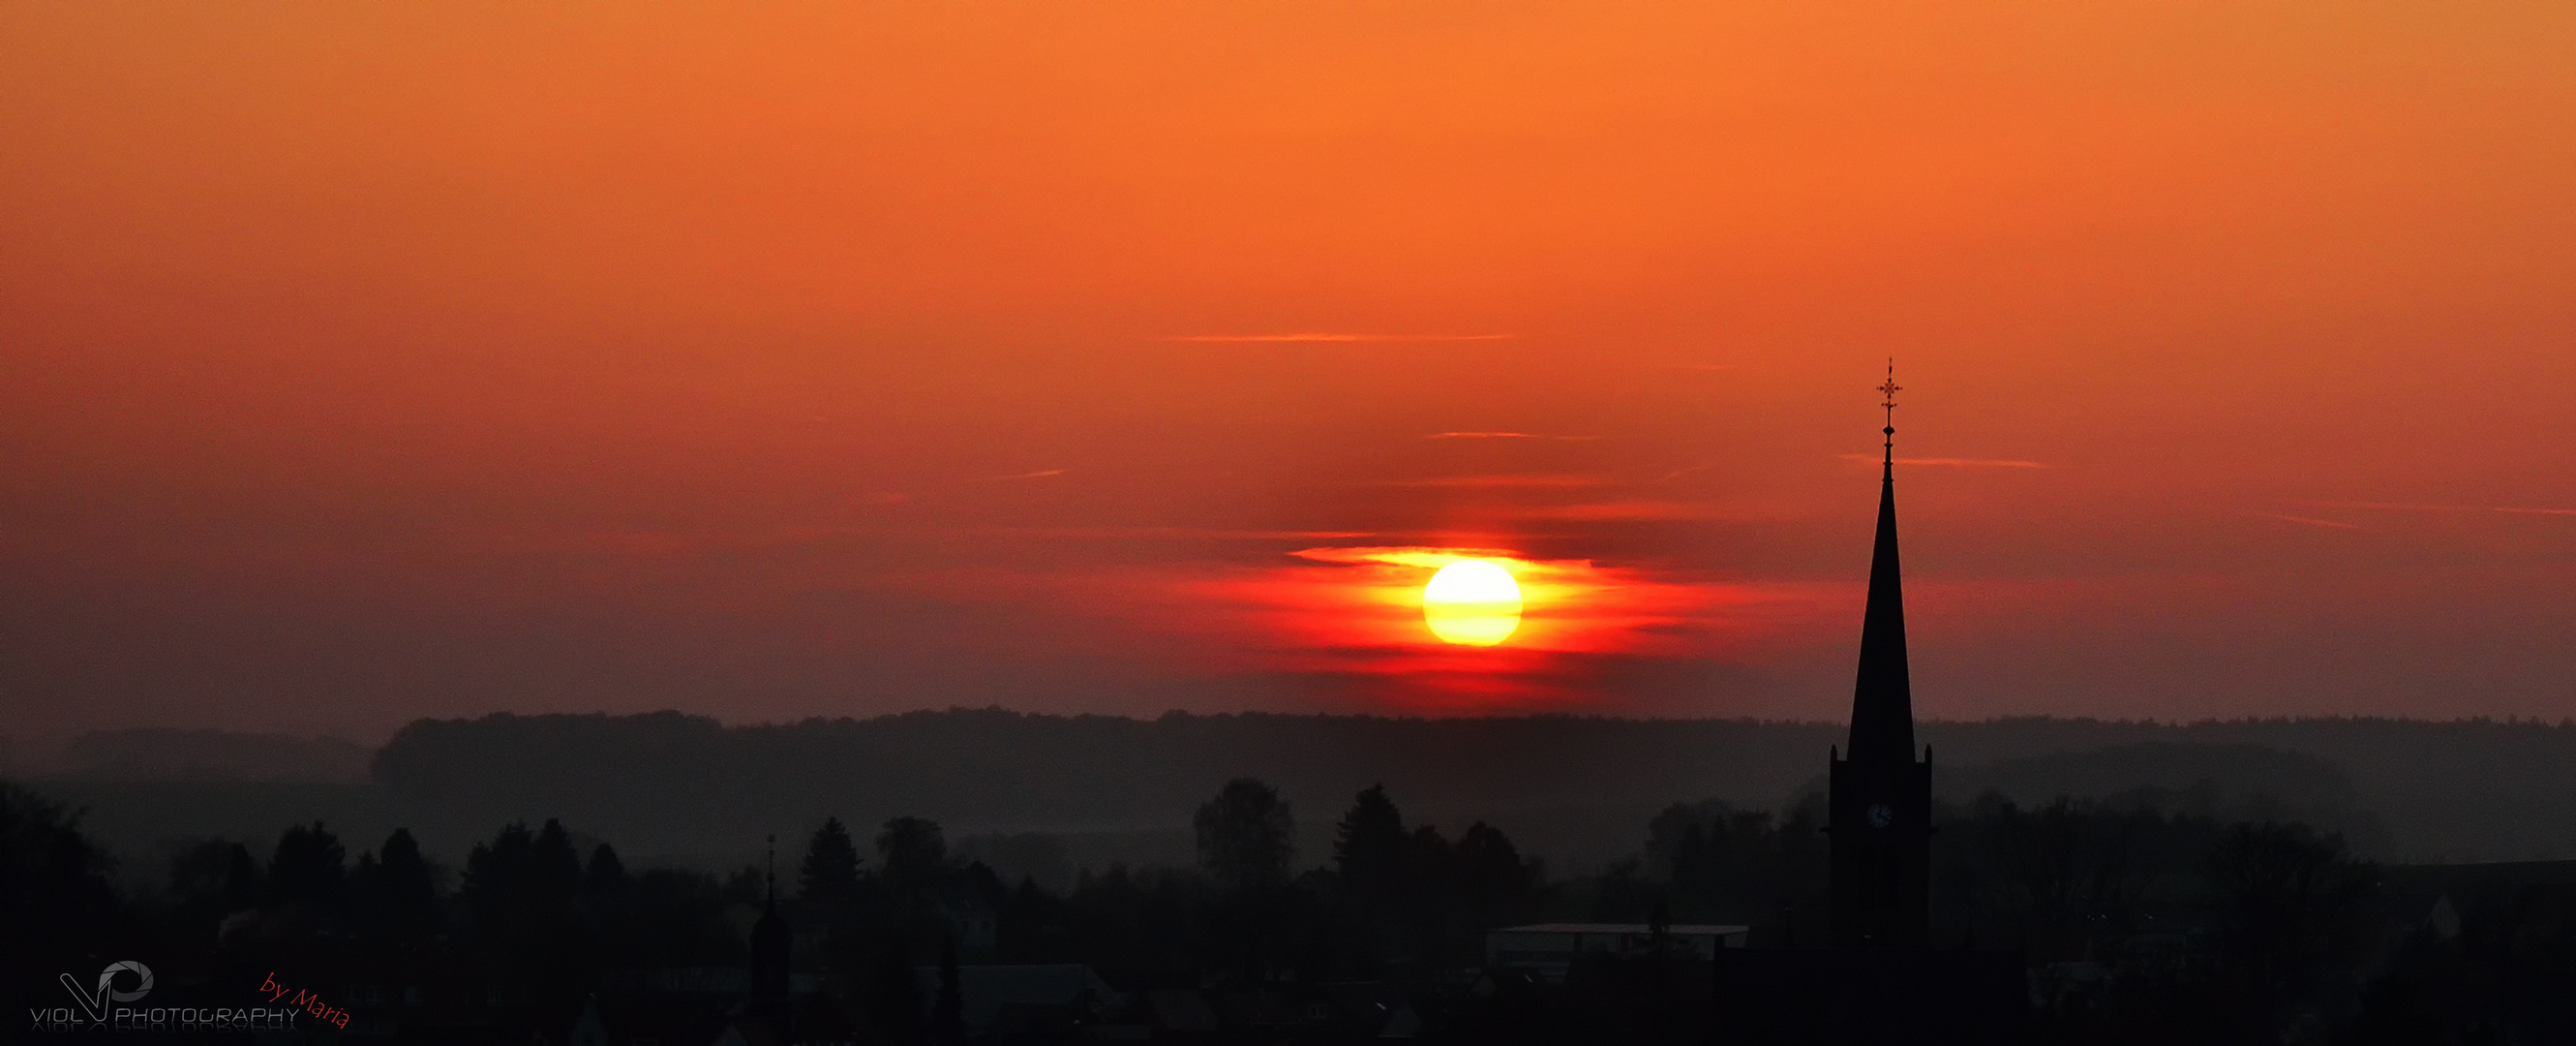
<point x="2142" y="923"/>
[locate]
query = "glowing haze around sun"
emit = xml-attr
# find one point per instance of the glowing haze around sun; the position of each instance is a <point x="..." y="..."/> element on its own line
<point x="1472" y="602"/>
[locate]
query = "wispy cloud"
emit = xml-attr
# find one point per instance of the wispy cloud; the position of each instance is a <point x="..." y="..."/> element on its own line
<point x="1508" y="435"/>
<point x="2400" y="506"/>
<point x="1959" y="463"/>
<point x="1184" y="533"/>
<point x="1329" y="337"/>
<point x="1039" y="474"/>
<point x="665" y="544"/>
<point x="1498" y="481"/>
<point x="2309" y="521"/>
<point x="1623" y="512"/>
<point x="1402" y="556"/>
<point x="1356" y="612"/>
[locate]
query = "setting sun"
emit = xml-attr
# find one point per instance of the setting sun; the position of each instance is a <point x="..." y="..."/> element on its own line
<point x="1473" y="602"/>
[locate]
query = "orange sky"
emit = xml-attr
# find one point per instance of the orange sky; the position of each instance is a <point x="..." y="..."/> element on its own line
<point x="360" y="362"/>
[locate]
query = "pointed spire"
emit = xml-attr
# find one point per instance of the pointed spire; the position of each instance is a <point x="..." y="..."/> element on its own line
<point x="1887" y="393"/>
<point x="772" y="947"/>
<point x="1882" y="725"/>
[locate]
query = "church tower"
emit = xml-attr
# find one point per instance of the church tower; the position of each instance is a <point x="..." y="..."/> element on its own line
<point x="1879" y="799"/>
<point x="771" y="946"/>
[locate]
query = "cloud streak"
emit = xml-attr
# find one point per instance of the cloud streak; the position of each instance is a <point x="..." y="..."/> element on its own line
<point x="1956" y="463"/>
<point x="1500" y="482"/>
<point x="1183" y="533"/>
<point x="2400" y="506"/>
<point x="1626" y="512"/>
<point x="2310" y="521"/>
<point x="1508" y="435"/>
<point x="1328" y="337"/>
<point x="1353" y="614"/>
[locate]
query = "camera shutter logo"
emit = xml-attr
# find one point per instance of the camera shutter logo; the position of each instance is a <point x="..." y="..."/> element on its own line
<point x="96" y="1002"/>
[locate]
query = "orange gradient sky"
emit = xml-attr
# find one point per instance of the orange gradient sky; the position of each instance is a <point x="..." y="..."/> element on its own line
<point x="362" y="362"/>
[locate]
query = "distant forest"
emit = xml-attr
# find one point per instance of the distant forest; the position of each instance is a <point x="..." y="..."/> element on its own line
<point x="1044" y="796"/>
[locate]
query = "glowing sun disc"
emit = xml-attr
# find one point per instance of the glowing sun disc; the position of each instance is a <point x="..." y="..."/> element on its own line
<point x="1473" y="602"/>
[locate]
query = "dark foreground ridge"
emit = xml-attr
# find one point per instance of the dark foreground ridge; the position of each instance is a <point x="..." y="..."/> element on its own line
<point x="2127" y="924"/>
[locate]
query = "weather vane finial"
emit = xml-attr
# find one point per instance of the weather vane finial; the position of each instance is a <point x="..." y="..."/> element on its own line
<point x="1888" y="391"/>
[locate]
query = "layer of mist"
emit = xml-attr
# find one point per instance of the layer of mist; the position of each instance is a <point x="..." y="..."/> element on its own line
<point x="1046" y="796"/>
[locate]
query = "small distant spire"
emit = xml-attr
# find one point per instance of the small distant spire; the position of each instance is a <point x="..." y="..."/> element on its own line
<point x="773" y="868"/>
<point x="1888" y="391"/>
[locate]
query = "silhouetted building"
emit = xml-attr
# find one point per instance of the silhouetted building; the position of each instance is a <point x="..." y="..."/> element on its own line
<point x="1879" y="982"/>
<point x="1879" y="803"/>
<point x="772" y="947"/>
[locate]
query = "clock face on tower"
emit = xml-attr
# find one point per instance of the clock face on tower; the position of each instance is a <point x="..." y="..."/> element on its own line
<point x="1880" y="816"/>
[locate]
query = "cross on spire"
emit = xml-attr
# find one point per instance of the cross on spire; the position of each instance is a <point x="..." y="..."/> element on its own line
<point x="1888" y="391"/>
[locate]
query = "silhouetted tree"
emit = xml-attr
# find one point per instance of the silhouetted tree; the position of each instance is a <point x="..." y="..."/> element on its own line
<point x="911" y="852"/>
<point x="498" y="877"/>
<point x="1731" y="865"/>
<point x="1371" y="848"/>
<point x="673" y="918"/>
<point x="555" y="864"/>
<point x="893" y="996"/>
<point x="2287" y="899"/>
<point x="1491" y="879"/>
<point x="607" y="896"/>
<point x="214" y="878"/>
<point x="394" y="891"/>
<point x="1150" y="926"/>
<point x="1031" y="927"/>
<point x="53" y="881"/>
<point x="309" y="868"/>
<point x="520" y="887"/>
<point x="1680" y="835"/>
<point x="605" y="876"/>
<point x="1427" y="870"/>
<point x="829" y="874"/>
<point x="1246" y="836"/>
<point x="2062" y="872"/>
<point x="521" y="895"/>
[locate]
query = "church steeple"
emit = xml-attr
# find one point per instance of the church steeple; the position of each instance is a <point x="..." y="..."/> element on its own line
<point x="772" y="948"/>
<point x="1882" y="723"/>
<point x="1879" y="796"/>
